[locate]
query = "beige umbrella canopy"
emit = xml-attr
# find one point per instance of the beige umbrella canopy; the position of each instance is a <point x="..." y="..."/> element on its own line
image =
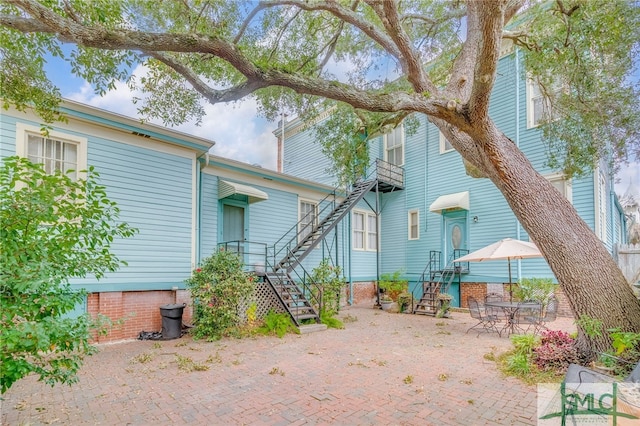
<point x="507" y="248"/>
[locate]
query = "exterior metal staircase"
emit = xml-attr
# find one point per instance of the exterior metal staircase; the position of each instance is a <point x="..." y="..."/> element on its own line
<point x="440" y="279"/>
<point x="313" y="238"/>
<point x="298" y="305"/>
<point x="299" y="296"/>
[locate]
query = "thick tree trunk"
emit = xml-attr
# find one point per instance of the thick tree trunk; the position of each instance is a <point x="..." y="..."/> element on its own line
<point x="590" y="278"/>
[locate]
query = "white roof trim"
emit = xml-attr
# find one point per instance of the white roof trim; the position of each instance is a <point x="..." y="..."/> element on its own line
<point x="459" y="200"/>
<point x="226" y="189"/>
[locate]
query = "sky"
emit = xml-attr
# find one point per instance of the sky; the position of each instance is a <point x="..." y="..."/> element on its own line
<point x="239" y="133"/>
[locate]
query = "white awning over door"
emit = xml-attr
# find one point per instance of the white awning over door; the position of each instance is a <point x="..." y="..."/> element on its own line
<point x="227" y="189"/>
<point x="459" y="200"/>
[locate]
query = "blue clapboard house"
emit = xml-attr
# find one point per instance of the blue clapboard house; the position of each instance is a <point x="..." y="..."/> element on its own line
<point x="414" y="212"/>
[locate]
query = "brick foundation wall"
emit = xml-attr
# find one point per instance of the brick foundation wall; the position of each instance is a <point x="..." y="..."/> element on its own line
<point x="363" y="292"/>
<point x="479" y="291"/>
<point x="135" y="311"/>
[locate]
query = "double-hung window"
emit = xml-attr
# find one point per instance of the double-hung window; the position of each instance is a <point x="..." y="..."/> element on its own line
<point x="538" y="107"/>
<point x="307" y="218"/>
<point x="56" y="151"/>
<point x="414" y="224"/>
<point x="364" y="228"/>
<point x="562" y="184"/>
<point x="394" y="146"/>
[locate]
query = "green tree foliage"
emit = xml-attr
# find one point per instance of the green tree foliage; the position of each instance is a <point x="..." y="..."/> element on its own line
<point x="52" y="228"/>
<point x="582" y="55"/>
<point x="219" y="290"/>
<point x="329" y="281"/>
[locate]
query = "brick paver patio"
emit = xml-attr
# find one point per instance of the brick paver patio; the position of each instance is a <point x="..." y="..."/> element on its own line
<point x="382" y="369"/>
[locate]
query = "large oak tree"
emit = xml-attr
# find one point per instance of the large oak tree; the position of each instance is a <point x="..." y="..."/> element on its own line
<point x="444" y="55"/>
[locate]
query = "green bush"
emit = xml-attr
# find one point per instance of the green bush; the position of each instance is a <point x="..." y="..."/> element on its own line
<point x="537" y="289"/>
<point x="328" y="280"/>
<point x="393" y="285"/>
<point x="277" y="323"/>
<point x="218" y="289"/>
<point x="52" y="228"/>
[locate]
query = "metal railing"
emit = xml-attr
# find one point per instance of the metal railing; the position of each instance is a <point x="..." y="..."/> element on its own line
<point x="253" y="254"/>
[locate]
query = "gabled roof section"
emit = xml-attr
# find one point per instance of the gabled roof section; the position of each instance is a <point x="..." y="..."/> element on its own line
<point x="113" y="120"/>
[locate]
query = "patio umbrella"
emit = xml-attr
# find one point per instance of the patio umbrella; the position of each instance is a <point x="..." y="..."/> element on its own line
<point x="507" y="248"/>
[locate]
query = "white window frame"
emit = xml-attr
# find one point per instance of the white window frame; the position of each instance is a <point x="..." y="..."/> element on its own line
<point x="555" y="178"/>
<point x="366" y="234"/>
<point x="411" y="225"/>
<point x="372" y="232"/>
<point x="398" y="132"/>
<point x="22" y="137"/>
<point x="303" y="233"/>
<point x="443" y="144"/>
<point x="532" y="86"/>
<point x="601" y="205"/>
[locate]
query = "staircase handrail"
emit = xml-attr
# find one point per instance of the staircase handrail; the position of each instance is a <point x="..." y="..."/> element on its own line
<point x="327" y="204"/>
<point x="378" y="169"/>
<point x="307" y="289"/>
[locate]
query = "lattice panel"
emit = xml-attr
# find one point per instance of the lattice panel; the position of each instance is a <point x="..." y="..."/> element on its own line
<point x="265" y="299"/>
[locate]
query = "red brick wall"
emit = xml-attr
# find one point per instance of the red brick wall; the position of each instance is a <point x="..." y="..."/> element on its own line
<point x="477" y="290"/>
<point x="135" y="311"/>
<point x="363" y="292"/>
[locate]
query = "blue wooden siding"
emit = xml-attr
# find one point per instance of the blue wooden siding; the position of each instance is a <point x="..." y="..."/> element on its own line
<point x="303" y="158"/>
<point x="208" y="215"/>
<point x="153" y="190"/>
<point x="7" y="136"/>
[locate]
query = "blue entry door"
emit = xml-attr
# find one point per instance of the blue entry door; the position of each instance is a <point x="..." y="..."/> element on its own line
<point x="455" y="237"/>
<point x="233" y="226"/>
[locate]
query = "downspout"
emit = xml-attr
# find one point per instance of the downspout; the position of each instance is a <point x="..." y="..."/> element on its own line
<point x="378" y="238"/>
<point x="349" y="249"/>
<point x="517" y="65"/>
<point x="199" y="204"/>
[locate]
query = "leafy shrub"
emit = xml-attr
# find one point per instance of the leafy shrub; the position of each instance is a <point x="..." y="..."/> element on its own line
<point x="330" y="321"/>
<point x="518" y="361"/>
<point x="277" y="323"/>
<point x="53" y="227"/>
<point x="556" y="351"/>
<point x="218" y="288"/>
<point x="591" y="327"/>
<point x="329" y="281"/>
<point x="537" y="289"/>
<point x="392" y="285"/>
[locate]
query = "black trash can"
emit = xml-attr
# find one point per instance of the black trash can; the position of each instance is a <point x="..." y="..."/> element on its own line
<point x="172" y="320"/>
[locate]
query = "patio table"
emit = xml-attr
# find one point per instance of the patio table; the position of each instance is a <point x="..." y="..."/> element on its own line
<point x="510" y="310"/>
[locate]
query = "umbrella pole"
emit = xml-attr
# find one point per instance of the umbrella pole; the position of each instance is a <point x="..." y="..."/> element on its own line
<point x="510" y="290"/>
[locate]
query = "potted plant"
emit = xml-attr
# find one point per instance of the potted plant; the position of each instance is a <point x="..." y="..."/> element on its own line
<point x="444" y="303"/>
<point x="386" y="302"/>
<point x="404" y="300"/>
<point x="392" y="285"/>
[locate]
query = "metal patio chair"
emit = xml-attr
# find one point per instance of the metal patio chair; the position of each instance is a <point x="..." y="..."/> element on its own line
<point x="486" y="322"/>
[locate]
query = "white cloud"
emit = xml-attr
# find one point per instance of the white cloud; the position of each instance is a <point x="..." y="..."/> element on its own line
<point x="627" y="175"/>
<point x="236" y="128"/>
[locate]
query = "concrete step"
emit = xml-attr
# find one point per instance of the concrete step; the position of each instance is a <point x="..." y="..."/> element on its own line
<point x="312" y="328"/>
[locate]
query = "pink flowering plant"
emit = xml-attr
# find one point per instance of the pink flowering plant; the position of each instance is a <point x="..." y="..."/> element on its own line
<point x="556" y="351"/>
<point x="218" y="288"/>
